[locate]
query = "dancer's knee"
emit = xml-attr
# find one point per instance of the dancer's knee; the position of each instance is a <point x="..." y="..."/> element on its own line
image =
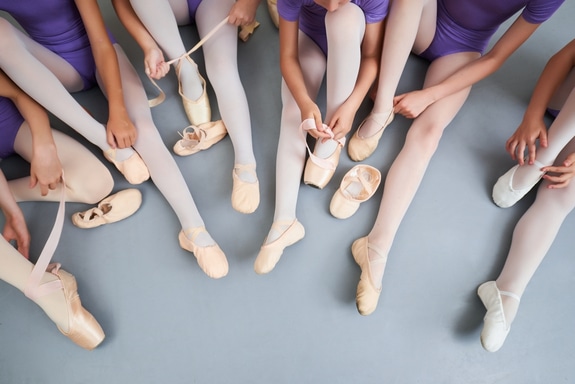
<point x="426" y="138"/>
<point x="89" y="186"/>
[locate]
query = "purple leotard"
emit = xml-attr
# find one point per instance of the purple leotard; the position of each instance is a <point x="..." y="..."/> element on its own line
<point x="193" y="7"/>
<point x="467" y="25"/>
<point x="311" y="16"/>
<point x="11" y="120"/>
<point x="57" y="25"/>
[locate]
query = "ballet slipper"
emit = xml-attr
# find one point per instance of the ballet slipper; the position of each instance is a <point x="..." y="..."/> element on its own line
<point x="273" y="10"/>
<point x="211" y="258"/>
<point x="133" y="168"/>
<point x="495" y="326"/>
<point x="247" y="30"/>
<point x="195" y="139"/>
<point x="113" y="208"/>
<point x="245" y="195"/>
<point x="504" y="195"/>
<point x="348" y="197"/>
<point x="270" y="253"/>
<point x="360" y="148"/>
<point x="198" y="111"/>
<point x="367" y="295"/>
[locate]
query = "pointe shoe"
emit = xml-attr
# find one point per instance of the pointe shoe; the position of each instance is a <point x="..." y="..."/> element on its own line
<point x="367" y="294"/>
<point x="113" y="208"/>
<point x="270" y="253"/>
<point x="211" y="258"/>
<point x="133" y="168"/>
<point x="504" y="195"/>
<point x="83" y="329"/>
<point x="318" y="175"/>
<point x="198" y="111"/>
<point x="273" y="10"/>
<point x="195" y="139"/>
<point x="495" y="327"/>
<point x="357" y="186"/>
<point x="360" y="148"/>
<point x="245" y="195"/>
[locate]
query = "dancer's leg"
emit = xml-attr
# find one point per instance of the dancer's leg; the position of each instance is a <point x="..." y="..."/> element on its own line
<point x="163" y="169"/>
<point x="87" y="179"/>
<point x="291" y="147"/>
<point x="161" y="18"/>
<point x="533" y="236"/>
<point x="410" y="24"/>
<point x="407" y="170"/>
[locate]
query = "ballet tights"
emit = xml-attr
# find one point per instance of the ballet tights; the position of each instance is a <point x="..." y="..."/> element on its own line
<point x="220" y="53"/>
<point x="342" y="67"/>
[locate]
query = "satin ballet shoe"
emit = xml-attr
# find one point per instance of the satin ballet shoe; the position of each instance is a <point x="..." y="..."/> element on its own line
<point x="247" y="30"/>
<point x="504" y="195"/>
<point x="211" y="258"/>
<point x="495" y="326"/>
<point x="360" y="148"/>
<point x="245" y="195"/>
<point x="273" y="10"/>
<point x="367" y="295"/>
<point x="198" y="111"/>
<point x="133" y="168"/>
<point x="113" y="208"/>
<point x="195" y="139"/>
<point x="317" y="175"/>
<point x="357" y="186"/>
<point x="270" y="253"/>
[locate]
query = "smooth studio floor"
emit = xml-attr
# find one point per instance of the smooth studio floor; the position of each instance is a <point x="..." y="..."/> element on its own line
<point x="167" y="322"/>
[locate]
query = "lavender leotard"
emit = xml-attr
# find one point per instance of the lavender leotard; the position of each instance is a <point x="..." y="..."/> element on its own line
<point x="467" y="25"/>
<point x="11" y="120"/>
<point x="193" y="7"/>
<point x="57" y="25"/>
<point x="312" y="16"/>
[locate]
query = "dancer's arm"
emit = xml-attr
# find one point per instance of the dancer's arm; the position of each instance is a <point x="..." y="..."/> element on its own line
<point x="371" y="45"/>
<point x="15" y="227"/>
<point x="45" y="167"/>
<point x="243" y="12"/>
<point x="120" y="130"/>
<point x="412" y="104"/>
<point x="533" y="127"/>
<point x="154" y="62"/>
<point x="293" y="75"/>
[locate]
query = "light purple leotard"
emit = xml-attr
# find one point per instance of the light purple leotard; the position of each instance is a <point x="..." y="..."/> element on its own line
<point x="311" y="16"/>
<point x="10" y="122"/>
<point x="467" y="25"/>
<point x="193" y="7"/>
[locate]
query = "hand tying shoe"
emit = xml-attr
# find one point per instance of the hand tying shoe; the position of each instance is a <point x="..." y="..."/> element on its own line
<point x="360" y="148"/>
<point x="211" y="258"/>
<point x="504" y="195"/>
<point x="195" y="139"/>
<point x="270" y="253"/>
<point x="357" y="186"/>
<point x="133" y="168"/>
<point x="198" y="111"/>
<point x="368" y="293"/>
<point x="319" y="169"/>
<point x="495" y="326"/>
<point x="113" y="208"/>
<point x="245" y="194"/>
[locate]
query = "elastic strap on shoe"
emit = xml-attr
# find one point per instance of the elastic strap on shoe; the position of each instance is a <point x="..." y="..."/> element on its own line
<point x="309" y="125"/>
<point x="162" y="96"/>
<point x="33" y="288"/>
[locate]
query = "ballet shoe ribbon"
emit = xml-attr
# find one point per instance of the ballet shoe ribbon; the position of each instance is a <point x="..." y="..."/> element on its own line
<point x="162" y="96"/>
<point x="33" y="288"/>
<point x="309" y="125"/>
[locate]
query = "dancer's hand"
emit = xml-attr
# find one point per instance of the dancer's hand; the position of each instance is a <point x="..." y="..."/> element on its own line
<point x="525" y="137"/>
<point x="560" y="175"/>
<point x="311" y="111"/>
<point x="154" y="63"/>
<point x="15" y="229"/>
<point x="45" y="169"/>
<point x="412" y="104"/>
<point x="243" y="12"/>
<point x="342" y="121"/>
<point x="120" y="132"/>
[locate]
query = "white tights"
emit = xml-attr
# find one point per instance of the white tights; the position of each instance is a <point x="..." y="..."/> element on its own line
<point x="342" y="65"/>
<point x="162" y="18"/>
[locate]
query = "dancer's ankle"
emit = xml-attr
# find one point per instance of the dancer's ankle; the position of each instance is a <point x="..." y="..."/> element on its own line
<point x="192" y="86"/>
<point x="374" y="122"/>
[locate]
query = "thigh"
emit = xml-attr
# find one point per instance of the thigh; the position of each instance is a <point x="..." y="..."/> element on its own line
<point x="223" y="44"/>
<point x="181" y="10"/>
<point x="427" y="26"/>
<point x="313" y="64"/>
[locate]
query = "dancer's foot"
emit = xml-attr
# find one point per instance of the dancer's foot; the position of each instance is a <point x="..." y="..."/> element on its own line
<point x="366" y="138"/>
<point x="211" y="258"/>
<point x="133" y="168"/>
<point x="196" y="104"/>
<point x="372" y="262"/>
<point x="516" y="183"/>
<point x="246" y="188"/>
<point x="282" y="234"/>
<point x="320" y="168"/>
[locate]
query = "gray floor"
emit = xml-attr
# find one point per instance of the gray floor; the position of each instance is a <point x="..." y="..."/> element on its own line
<point x="167" y="322"/>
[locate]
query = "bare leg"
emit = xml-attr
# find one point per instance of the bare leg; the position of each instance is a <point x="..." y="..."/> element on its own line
<point x="87" y="179"/>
